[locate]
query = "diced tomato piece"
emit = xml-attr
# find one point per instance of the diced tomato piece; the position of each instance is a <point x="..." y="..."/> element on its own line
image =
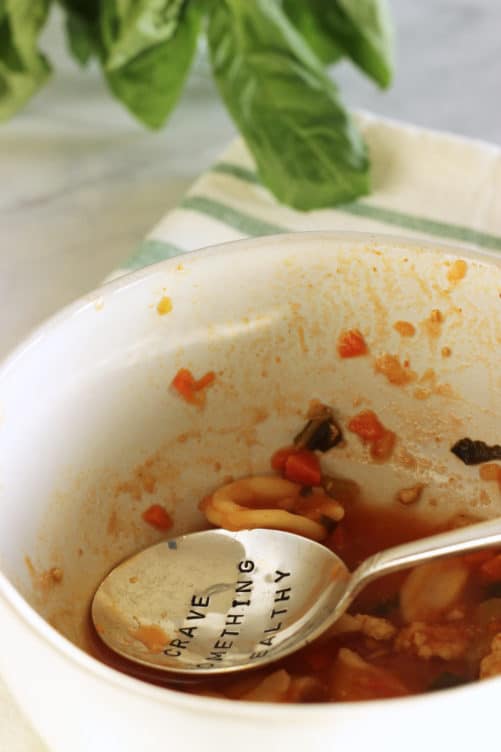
<point x="491" y="569"/>
<point x="183" y="383"/>
<point x="158" y="517"/>
<point x="351" y="344"/>
<point x="297" y="465"/>
<point x="303" y="467"/>
<point x="187" y="386"/>
<point x="366" y="424"/>
<point x="280" y="457"/>
<point x="369" y="428"/>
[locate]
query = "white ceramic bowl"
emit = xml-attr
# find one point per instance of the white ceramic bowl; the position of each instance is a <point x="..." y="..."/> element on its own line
<point x="88" y="423"/>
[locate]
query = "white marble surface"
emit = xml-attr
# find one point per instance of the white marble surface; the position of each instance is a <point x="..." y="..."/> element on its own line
<point x="81" y="183"/>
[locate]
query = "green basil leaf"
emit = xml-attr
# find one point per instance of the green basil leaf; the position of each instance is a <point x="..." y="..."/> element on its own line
<point x="80" y="38"/>
<point x="150" y="83"/>
<point x="82" y="28"/>
<point x="307" y="150"/>
<point x="23" y="68"/>
<point x="137" y="26"/>
<point x="363" y="31"/>
<point x="370" y="43"/>
<point x="310" y="26"/>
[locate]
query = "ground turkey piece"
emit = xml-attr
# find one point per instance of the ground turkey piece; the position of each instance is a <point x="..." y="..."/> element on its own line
<point x="446" y="641"/>
<point x="491" y="664"/>
<point x="370" y="626"/>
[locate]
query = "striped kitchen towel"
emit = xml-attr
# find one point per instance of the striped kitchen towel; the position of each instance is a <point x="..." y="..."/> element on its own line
<point x="425" y="184"/>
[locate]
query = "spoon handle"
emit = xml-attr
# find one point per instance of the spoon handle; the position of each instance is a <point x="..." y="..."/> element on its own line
<point x="462" y="540"/>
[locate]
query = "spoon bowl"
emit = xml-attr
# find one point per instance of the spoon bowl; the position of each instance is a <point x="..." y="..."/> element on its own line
<point x="216" y="601"/>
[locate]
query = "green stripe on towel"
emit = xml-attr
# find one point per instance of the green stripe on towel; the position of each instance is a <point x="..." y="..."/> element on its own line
<point x="422" y="224"/>
<point x="151" y="251"/>
<point x="387" y="216"/>
<point x="244" y="223"/>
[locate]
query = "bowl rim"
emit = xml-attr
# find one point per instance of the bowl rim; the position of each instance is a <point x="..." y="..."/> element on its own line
<point x="82" y="661"/>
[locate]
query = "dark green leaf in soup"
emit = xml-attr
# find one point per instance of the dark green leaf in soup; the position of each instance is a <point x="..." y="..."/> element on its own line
<point x="307" y="149"/>
<point x="320" y="433"/>
<point x="475" y="452"/>
<point x="150" y="82"/>
<point x="23" y="68"/>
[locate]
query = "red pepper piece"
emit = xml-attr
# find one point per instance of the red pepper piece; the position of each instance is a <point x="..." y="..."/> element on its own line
<point x="187" y="386"/>
<point x="351" y="344"/>
<point x="158" y="517"/>
<point x="367" y="425"/>
<point x="280" y="457"/>
<point x="303" y="467"/>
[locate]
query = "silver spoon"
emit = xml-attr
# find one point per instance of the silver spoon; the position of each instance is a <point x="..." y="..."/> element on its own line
<point x="216" y="602"/>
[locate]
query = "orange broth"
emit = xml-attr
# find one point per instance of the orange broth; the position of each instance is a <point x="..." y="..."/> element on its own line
<point x="364" y="530"/>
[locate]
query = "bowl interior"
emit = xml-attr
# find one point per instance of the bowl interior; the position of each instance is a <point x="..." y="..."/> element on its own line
<point x="92" y="434"/>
